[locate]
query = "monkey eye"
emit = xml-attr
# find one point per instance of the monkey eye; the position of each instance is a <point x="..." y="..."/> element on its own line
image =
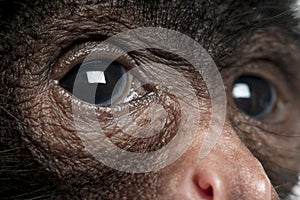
<point x="253" y="95"/>
<point x="100" y="82"/>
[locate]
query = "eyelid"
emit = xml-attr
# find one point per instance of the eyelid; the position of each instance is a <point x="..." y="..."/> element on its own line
<point x="70" y="59"/>
<point x="86" y="52"/>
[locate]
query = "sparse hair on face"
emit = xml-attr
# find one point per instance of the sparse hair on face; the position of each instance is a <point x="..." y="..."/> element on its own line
<point x="40" y="155"/>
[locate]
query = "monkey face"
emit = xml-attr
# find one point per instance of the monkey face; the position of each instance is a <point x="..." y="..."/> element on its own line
<point x="149" y="100"/>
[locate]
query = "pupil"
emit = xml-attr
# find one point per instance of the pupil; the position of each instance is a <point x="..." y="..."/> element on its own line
<point x="104" y="92"/>
<point x="96" y="81"/>
<point x="253" y="95"/>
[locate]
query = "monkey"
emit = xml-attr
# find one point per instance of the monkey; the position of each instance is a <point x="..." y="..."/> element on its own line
<point x="44" y="48"/>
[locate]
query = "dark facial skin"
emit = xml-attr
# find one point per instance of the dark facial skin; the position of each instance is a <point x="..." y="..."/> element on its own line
<point x="42" y="156"/>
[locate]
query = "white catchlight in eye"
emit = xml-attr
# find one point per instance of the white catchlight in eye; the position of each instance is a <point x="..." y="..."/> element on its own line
<point x="96" y="77"/>
<point x="241" y="90"/>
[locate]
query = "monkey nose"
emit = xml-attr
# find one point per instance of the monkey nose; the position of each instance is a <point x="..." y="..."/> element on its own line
<point x="211" y="185"/>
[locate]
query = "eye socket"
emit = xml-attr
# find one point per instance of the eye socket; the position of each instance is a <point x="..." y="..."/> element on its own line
<point x="99" y="82"/>
<point x="253" y="95"/>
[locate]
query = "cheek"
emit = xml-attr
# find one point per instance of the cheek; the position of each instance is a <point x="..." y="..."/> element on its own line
<point x="229" y="171"/>
<point x="50" y="133"/>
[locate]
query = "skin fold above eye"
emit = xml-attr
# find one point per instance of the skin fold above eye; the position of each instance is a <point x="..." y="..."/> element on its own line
<point x="43" y="121"/>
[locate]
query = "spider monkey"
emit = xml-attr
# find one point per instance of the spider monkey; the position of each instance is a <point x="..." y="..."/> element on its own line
<point x="254" y="44"/>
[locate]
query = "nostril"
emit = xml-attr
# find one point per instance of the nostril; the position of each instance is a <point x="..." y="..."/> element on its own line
<point x="203" y="186"/>
<point x="208" y="186"/>
<point x="209" y="191"/>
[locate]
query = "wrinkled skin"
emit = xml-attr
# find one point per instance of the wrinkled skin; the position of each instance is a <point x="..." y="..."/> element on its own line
<point x="42" y="155"/>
